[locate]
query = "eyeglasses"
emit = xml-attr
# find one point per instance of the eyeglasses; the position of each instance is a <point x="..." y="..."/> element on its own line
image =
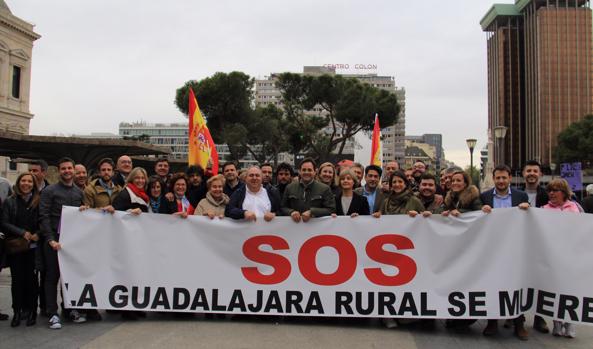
<point x="553" y="190"/>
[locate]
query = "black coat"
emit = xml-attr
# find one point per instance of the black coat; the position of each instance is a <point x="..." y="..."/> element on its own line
<point x="588" y="204"/>
<point x="195" y="194"/>
<point x="17" y="217"/>
<point x="123" y="202"/>
<point x="230" y="191"/>
<point x="358" y="205"/>
<point x="517" y="197"/>
<point x="541" y="198"/>
<point x="234" y="208"/>
<point x="166" y="206"/>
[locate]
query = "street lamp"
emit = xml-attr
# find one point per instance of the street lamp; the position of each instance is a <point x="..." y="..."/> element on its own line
<point x="471" y="144"/>
<point x="553" y="169"/>
<point x="500" y="133"/>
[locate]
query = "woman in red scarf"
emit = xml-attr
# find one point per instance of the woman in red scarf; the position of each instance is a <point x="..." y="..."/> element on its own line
<point x="134" y="198"/>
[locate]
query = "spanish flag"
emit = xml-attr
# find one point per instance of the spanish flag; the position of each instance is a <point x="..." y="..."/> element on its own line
<point x="200" y="143"/>
<point x="376" y="151"/>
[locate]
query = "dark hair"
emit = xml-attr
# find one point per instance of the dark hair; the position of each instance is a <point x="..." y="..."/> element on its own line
<point x="373" y="168"/>
<point x="502" y="168"/>
<point x="283" y="166"/>
<point x="401" y="174"/>
<point x="419" y="160"/>
<point x="228" y="163"/>
<point x="105" y="161"/>
<point x="152" y="181"/>
<point x="308" y="160"/>
<point x="266" y="164"/>
<point x="175" y="178"/>
<point x="428" y="176"/>
<point x="161" y="159"/>
<point x="65" y="159"/>
<point x="195" y="169"/>
<point x="532" y="163"/>
<point x="41" y="163"/>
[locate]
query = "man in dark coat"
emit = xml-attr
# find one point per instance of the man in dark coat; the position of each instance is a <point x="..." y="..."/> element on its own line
<point x="252" y="200"/>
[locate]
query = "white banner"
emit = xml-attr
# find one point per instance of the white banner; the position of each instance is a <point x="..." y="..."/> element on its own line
<point x="477" y="266"/>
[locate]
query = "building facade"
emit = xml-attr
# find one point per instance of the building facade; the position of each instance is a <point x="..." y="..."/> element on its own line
<point x="16" y="50"/>
<point x="175" y="137"/>
<point x="416" y="150"/>
<point x="539" y="75"/>
<point x="434" y="140"/>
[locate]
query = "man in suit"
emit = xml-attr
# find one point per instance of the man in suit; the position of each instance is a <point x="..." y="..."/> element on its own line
<point x="371" y="190"/>
<point x="503" y="196"/>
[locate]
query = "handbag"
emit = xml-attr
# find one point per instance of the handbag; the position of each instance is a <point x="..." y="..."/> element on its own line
<point x="16" y="245"/>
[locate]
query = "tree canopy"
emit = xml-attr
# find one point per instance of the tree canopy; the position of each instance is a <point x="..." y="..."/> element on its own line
<point x="226" y="102"/>
<point x="317" y="114"/>
<point x="343" y="106"/>
<point x="575" y="143"/>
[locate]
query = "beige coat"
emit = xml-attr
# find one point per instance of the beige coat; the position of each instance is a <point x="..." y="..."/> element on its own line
<point x="208" y="204"/>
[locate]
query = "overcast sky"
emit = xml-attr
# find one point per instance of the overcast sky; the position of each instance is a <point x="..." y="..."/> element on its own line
<point x="102" y="62"/>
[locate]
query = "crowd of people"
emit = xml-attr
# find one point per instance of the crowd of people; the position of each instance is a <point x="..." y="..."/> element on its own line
<point x="31" y="211"/>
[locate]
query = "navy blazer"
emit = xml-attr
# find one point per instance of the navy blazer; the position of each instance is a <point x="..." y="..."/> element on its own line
<point x="234" y="208"/>
<point x="517" y="197"/>
<point x="359" y="205"/>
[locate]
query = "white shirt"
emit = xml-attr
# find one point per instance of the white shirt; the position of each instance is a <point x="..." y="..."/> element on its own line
<point x="257" y="202"/>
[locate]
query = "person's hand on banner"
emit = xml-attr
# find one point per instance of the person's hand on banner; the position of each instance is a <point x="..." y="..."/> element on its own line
<point x="268" y="216"/>
<point x="354" y="215"/>
<point x="412" y="213"/>
<point x="249" y="216"/>
<point x="135" y="211"/>
<point x="83" y="208"/>
<point x="486" y="209"/>
<point x="306" y="216"/>
<point x="55" y="245"/>
<point x="181" y="214"/>
<point x="524" y="206"/>
<point x="296" y="216"/>
<point x="377" y="214"/>
<point x="108" y="209"/>
<point x="426" y="214"/>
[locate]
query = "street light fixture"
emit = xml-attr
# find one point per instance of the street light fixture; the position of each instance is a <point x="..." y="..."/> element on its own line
<point x="500" y="133"/>
<point x="471" y="144"/>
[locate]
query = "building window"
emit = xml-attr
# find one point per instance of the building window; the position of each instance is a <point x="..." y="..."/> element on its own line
<point x="16" y="82"/>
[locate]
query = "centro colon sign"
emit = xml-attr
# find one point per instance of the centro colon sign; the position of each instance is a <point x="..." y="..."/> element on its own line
<point x="346" y="66"/>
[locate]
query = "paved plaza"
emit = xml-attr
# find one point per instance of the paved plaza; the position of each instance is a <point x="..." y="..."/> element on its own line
<point x="166" y="330"/>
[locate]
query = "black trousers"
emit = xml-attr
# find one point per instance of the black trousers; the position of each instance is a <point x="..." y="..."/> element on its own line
<point x="52" y="276"/>
<point x="24" y="284"/>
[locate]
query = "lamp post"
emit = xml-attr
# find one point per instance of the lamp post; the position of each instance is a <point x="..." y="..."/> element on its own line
<point x="500" y="133"/>
<point x="552" y="169"/>
<point x="471" y="144"/>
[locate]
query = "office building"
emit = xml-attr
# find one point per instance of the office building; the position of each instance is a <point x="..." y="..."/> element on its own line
<point x="539" y="75"/>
